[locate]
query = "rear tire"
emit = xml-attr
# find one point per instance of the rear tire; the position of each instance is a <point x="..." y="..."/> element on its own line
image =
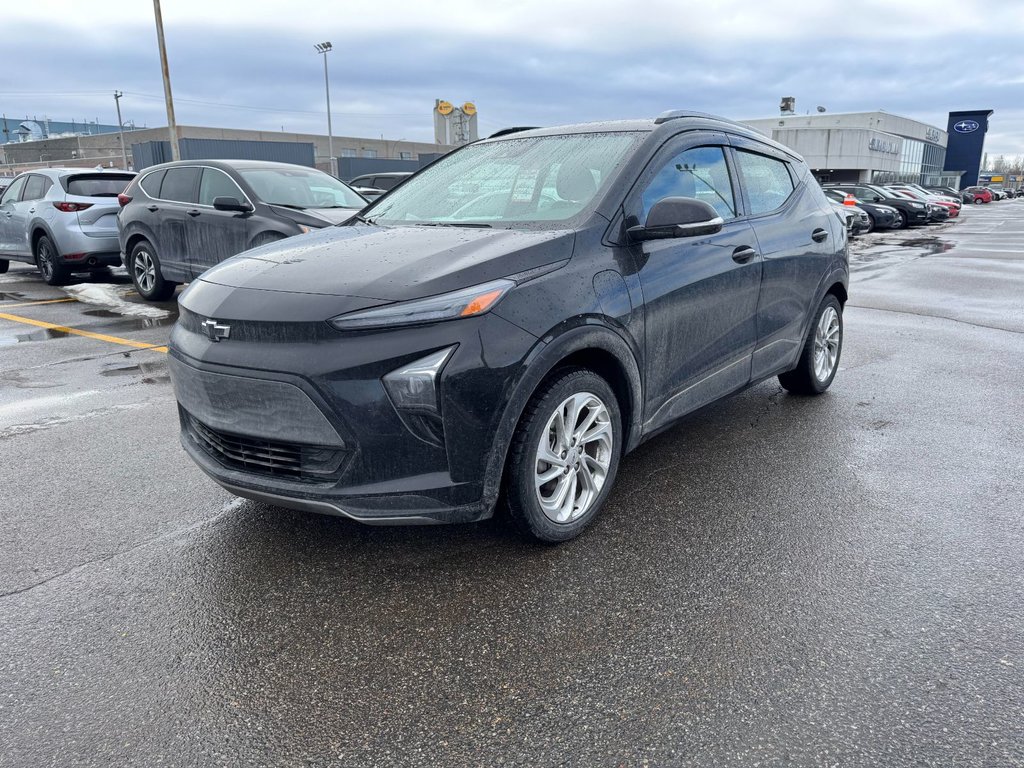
<point x="48" y="261"/>
<point x="819" y="359"/>
<point x="574" y="420"/>
<point x="144" y="267"/>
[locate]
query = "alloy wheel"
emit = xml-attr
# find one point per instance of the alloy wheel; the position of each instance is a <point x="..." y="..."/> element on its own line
<point x="573" y="457"/>
<point x="144" y="270"/>
<point x="44" y="262"/>
<point x="826" y="344"/>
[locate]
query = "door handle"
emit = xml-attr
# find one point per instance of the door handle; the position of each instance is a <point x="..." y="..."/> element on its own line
<point x="152" y="208"/>
<point x="31" y="210"/>
<point x="743" y="254"/>
<point x="8" y="214"/>
<point x="819" y="235"/>
<point x="193" y="212"/>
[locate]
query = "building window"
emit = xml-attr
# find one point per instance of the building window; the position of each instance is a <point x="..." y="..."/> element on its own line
<point x="405" y="155"/>
<point x="348" y="153"/>
<point x="369" y="153"/>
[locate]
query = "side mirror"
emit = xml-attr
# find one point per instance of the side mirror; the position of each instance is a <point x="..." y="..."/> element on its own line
<point x="231" y="204"/>
<point x="879" y="199"/>
<point x="678" y="217"/>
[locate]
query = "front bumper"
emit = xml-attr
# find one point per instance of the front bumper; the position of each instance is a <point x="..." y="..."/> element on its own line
<point x="310" y="425"/>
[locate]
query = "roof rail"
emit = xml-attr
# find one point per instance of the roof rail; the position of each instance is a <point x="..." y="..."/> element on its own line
<point x="675" y="114"/>
<point x="514" y="129"/>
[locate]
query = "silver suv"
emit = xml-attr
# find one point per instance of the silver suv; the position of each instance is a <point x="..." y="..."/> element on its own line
<point x="63" y="220"/>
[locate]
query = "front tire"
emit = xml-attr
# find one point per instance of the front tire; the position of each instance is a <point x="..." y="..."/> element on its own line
<point x="144" y="267"/>
<point x="819" y="359"/>
<point x="48" y="261"/>
<point x="903" y="222"/>
<point x="564" y="456"/>
<point x="4" y="264"/>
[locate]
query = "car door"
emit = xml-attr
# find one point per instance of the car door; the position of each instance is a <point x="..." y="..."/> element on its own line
<point x="178" y="191"/>
<point x="24" y="210"/>
<point x="700" y="293"/>
<point x="793" y="224"/>
<point x="9" y="239"/>
<point x="215" y="235"/>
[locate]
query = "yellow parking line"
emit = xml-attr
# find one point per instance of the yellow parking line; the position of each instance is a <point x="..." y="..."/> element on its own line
<point x="35" y="303"/>
<point x="77" y="332"/>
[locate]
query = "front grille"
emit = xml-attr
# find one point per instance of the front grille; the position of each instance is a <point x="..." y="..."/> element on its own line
<point x="261" y="332"/>
<point x="294" y="461"/>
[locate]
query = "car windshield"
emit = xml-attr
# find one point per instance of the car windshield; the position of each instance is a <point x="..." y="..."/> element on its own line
<point x="510" y="182"/>
<point x="300" y="188"/>
<point x="911" y="193"/>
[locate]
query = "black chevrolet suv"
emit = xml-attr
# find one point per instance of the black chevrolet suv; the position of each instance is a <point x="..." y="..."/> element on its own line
<point x="911" y="212"/>
<point x="511" y="321"/>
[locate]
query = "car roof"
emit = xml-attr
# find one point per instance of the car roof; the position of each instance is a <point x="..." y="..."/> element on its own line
<point x="60" y="173"/>
<point x="228" y="165"/>
<point x="666" y="124"/>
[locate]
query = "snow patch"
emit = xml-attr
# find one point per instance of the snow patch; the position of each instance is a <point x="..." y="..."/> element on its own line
<point x="112" y="297"/>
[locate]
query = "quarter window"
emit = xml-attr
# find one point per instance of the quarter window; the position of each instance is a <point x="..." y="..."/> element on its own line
<point x="151" y="184"/>
<point x="216" y="184"/>
<point x="699" y="173"/>
<point x="767" y="181"/>
<point x="179" y="184"/>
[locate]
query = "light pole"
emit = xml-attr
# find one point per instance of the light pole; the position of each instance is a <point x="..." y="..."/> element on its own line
<point x="325" y="48"/>
<point x="120" y="128"/>
<point x="172" y="127"/>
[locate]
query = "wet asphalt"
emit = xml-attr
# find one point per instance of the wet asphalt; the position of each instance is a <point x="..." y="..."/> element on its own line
<point x="832" y="581"/>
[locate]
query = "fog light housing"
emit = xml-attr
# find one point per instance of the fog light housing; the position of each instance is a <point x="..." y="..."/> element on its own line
<point x="414" y="393"/>
<point x="413" y="387"/>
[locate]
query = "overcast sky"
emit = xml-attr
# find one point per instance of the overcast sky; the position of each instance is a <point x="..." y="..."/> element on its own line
<point x="252" y="65"/>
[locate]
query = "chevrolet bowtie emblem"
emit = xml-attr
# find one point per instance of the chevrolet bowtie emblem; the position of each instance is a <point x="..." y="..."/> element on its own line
<point x="216" y="331"/>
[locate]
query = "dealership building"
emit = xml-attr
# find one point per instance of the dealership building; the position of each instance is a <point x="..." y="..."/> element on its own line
<point x="869" y="147"/>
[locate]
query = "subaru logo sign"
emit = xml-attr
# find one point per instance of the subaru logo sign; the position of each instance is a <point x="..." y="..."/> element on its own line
<point x="966" y="126"/>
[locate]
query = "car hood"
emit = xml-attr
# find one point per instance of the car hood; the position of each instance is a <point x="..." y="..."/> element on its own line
<point x="390" y="263"/>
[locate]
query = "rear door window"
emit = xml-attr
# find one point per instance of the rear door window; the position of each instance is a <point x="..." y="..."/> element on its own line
<point x="217" y="184"/>
<point x="179" y="184"/>
<point x="97" y="185"/>
<point x="36" y="187"/>
<point x="767" y="181"/>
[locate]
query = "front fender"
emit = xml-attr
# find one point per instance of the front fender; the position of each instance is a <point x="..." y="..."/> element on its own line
<point x="587" y="333"/>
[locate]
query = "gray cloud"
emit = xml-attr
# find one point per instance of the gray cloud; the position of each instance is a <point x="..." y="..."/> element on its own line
<point x="384" y="76"/>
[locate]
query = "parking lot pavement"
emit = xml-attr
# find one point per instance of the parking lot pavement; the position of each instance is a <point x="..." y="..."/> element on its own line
<point x="777" y="581"/>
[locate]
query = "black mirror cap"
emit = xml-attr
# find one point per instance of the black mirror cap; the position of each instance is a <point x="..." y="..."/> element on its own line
<point x="678" y="217"/>
<point x="231" y="204"/>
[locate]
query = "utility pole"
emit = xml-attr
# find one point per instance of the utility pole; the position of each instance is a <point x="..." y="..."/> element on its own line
<point x="120" y="128"/>
<point x="172" y="127"/>
<point x="326" y="48"/>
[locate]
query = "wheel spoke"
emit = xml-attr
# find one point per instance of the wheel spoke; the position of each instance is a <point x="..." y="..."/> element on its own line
<point x="549" y="474"/>
<point x="545" y="454"/>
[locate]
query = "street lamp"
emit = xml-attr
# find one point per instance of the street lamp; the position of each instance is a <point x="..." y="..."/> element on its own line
<point x="325" y="48"/>
<point x="120" y="128"/>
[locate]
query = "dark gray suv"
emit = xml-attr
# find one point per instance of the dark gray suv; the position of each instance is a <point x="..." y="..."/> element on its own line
<point x="511" y="321"/>
<point x="179" y="219"/>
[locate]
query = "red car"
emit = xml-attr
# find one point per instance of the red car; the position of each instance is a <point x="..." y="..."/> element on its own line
<point x="981" y="194"/>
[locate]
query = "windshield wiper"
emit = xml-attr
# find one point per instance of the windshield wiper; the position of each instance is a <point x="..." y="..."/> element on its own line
<point x="289" y="205"/>
<point x="474" y="224"/>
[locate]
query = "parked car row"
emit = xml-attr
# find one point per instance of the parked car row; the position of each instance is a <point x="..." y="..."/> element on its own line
<point x="896" y="206"/>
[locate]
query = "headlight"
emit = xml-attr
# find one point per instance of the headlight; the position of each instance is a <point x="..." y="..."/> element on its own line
<point x="467" y="302"/>
<point x="917" y="205"/>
